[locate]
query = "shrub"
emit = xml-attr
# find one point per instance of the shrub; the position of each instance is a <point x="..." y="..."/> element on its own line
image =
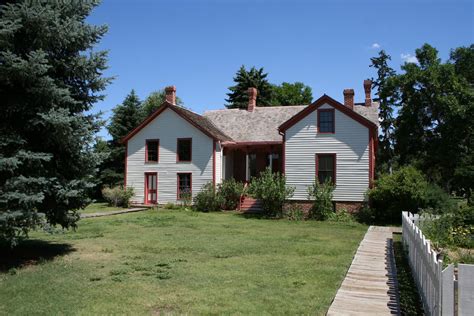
<point x="294" y="213"/>
<point x="118" y="196"/>
<point x="454" y="227"/>
<point x="321" y="195"/>
<point x="171" y="206"/>
<point x="342" y="216"/>
<point x="229" y="191"/>
<point x="271" y="189"/>
<point x="207" y="200"/>
<point x="404" y="190"/>
<point x="186" y="199"/>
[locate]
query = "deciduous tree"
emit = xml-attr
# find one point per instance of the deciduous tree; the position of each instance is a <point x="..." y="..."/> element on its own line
<point x="292" y="94"/>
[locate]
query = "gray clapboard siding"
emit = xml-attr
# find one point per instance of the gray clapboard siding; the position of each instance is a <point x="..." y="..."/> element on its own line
<point x="350" y="143"/>
<point x="168" y="127"/>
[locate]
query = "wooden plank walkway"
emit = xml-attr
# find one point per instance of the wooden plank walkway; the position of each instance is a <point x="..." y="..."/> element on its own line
<point x="370" y="286"/>
<point x="100" y="214"/>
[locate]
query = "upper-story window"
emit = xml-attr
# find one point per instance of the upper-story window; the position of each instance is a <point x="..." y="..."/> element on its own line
<point x="152" y="150"/>
<point x="184" y="150"/>
<point x="326" y="120"/>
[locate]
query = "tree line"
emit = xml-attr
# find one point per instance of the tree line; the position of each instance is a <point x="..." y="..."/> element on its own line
<point x="427" y="116"/>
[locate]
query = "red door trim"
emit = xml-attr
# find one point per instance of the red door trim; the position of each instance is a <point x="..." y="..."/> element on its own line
<point x="146" y="187"/>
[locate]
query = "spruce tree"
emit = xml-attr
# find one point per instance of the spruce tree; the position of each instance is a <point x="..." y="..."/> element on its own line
<point x="125" y="118"/>
<point x="256" y="78"/>
<point x="386" y="93"/>
<point x="49" y="78"/>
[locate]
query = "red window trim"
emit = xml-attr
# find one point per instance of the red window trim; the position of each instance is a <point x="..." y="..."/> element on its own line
<point x="146" y="151"/>
<point x="177" y="184"/>
<point x="190" y="151"/>
<point x="333" y="120"/>
<point x="146" y="187"/>
<point x="335" y="166"/>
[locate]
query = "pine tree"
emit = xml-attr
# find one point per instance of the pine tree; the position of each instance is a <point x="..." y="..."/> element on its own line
<point x="125" y="118"/>
<point x="256" y="78"/>
<point x="49" y="79"/>
<point x="386" y="94"/>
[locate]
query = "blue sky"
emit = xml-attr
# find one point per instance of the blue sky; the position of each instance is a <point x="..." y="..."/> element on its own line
<point x="199" y="45"/>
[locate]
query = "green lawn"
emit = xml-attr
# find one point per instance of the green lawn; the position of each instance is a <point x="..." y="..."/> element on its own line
<point x="173" y="262"/>
<point x="100" y="207"/>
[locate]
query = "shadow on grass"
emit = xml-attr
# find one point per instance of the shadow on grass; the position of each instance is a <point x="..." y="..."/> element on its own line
<point x="31" y="252"/>
<point x="259" y="215"/>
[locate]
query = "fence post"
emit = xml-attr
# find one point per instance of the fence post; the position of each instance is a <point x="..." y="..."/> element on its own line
<point x="465" y="289"/>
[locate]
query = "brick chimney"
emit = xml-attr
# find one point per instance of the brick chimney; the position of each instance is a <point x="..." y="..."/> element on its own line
<point x="367" y="89"/>
<point x="349" y="98"/>
<point x="252" y="99"/>
<point x="171" y="94"/>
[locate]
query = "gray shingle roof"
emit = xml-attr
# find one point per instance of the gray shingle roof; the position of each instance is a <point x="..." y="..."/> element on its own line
<point x="259" y="125"/>
<point x="369" y="112"/>
<point x="203" y="122"/>
<point x="262" y="124"/>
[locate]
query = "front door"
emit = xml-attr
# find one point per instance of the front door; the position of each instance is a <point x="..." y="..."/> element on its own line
<point x="151" y="183"/>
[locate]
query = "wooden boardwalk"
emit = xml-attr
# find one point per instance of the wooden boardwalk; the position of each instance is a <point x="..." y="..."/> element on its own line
<point x="370" y="286"/>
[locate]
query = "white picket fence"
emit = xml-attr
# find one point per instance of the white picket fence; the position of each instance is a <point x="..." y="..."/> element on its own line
<point x="438" y="288"/>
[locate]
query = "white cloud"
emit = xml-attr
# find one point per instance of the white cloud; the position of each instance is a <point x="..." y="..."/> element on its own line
<point x="375" y="46"/>
<point x="408" y="58"/>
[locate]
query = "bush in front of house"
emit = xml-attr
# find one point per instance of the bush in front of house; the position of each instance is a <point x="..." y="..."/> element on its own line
<point x="321" y="195"/>
<point x="271" y="189"/>
<point x="118" y="196"/>
<point x="230" y="191"/>
<point x="208" y="199"/>
<point x="406" y="189"/>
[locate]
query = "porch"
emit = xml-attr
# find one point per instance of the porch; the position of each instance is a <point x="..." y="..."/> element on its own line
<point x="243" y="161"/>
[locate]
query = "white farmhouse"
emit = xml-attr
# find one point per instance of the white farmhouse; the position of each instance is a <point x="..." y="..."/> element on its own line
<point x="176" y="151"/>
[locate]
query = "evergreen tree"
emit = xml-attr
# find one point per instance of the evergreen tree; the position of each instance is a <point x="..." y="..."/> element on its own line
<point x="292" y="94"/>
<point x="386" y="93"/>
<point x="125" y="118"/>
<point x="256" y="78"/>
<point x="155" y="100"/>
<point x="49" y="79"/>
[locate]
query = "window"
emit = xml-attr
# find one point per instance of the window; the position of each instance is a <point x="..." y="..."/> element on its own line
<point x="326" y="121"/>
<point x="326" y="168"/>
<point x="184" y="184"/>
<point x="184" y="150"/>
<point x="151" y="151"/>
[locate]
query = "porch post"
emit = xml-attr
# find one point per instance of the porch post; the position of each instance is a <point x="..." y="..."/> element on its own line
<point x="247" y="171"/>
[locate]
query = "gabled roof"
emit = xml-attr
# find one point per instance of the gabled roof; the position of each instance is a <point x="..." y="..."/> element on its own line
<point x="260" y="125"/>
<point x="198" y="121"/>
<point x="325" y="99"/>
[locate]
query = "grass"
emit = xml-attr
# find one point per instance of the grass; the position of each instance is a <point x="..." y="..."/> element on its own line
<point x="100" y="207"/>
<point x="410" y="301"/>
<point x="174" y="262"/>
